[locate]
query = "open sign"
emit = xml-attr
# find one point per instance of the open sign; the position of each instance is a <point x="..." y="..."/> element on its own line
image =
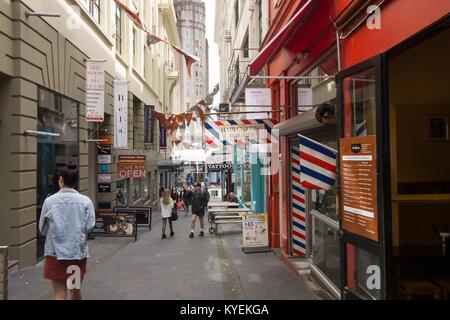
<point x="134" y="171"/>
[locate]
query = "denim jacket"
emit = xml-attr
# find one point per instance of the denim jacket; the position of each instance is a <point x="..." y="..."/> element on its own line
<point x="71" y="216"/>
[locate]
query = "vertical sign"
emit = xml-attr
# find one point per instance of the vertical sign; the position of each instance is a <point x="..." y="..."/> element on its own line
<point x="95" y="91"/>
<point x="162" y="137"/>
<point x="120" y="114"/>
<point x="359" y="186"/>
<point x="255" y="233"/>
<point x="149" y="124"/>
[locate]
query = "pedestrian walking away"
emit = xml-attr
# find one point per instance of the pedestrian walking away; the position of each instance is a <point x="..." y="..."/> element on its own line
<point x="199" y="201"/>
<point x="167" y="205"/>
<point x="66" y="219"/>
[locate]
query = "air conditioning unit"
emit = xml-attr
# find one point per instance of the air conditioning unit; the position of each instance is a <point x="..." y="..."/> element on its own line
<point x="227" y="36"/>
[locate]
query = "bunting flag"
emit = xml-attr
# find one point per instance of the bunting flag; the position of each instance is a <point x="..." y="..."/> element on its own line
<point x="317" y="165"/>
<point x="189" y="118"/>
<point x="152" y="39"/>
<point x="133" y="16"/>
<point x="201" y="114"/>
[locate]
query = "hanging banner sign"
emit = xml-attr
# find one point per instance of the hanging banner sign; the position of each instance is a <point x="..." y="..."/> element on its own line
<point x="104" y="159"/>
<point x="149" y="119"/>
<point x="132" y="167"/>
<point x="359" y="186"/>
<point x="105" y="140"/>
<point x="255" y="231"/>
<point x="162" y="137"/>
<point x="95" y="91"/>
<point x="120" y="114"/>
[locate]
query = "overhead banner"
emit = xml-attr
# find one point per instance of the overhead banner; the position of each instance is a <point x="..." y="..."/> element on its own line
<point x="120" y="114"/>
<point x="162" y="137"/>
<point x="149" y="124"/>
<point x="132" y="167"/>
<point x="359" y="186"/>
<point x="95" y="91"/>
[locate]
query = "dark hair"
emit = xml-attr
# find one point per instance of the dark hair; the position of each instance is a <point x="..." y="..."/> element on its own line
<point x="70" y="175"/>
<point x="198" y="184"/>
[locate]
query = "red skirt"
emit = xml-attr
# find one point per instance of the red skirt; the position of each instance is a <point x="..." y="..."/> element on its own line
<point x="57" y="269"/>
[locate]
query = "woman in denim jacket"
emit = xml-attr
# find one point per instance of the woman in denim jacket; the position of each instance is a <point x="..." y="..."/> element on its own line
<point x="67" y="217"/>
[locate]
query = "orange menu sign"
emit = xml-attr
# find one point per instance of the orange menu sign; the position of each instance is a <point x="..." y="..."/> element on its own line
<point x="359" y="186"/>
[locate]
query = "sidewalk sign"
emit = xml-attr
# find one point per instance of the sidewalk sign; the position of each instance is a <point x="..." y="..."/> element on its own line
<point x="255" y="234"/>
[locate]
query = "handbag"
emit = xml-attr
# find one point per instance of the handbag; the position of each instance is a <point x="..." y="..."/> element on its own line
<point x="174" y="216"/>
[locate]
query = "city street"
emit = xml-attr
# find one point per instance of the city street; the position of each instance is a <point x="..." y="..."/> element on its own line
<point x="209" y="268"/>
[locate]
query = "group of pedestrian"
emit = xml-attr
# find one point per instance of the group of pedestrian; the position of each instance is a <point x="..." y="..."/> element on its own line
<point x="172" y="200"/>
<point x="67" y="218"/>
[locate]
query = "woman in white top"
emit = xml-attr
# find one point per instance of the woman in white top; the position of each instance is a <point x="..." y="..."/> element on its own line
<point x="166" y="213"/>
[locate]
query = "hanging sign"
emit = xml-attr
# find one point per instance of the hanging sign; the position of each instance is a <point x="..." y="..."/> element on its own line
<point x="359" y="186"/>
<point x="104" y="150"/>
<point x="104" y="178"/>
<point x="105" y="140"/>
<point x="120" y="114"/>
<point x="104" y="188"/>
<point x="149" y="119"/>
<point x="162" y="137"/>
<point x="132" y="167"/>
<point x="104" y="159"/>
<point x="95" y="91"/>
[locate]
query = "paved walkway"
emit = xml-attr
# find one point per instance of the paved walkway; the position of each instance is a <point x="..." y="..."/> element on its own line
<point x="206" y="268"/>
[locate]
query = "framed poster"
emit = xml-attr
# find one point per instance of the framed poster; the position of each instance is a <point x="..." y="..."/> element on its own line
<point x="115" y="224"/>
<point x="437" y="128"/>
<point x="359" y="186"/>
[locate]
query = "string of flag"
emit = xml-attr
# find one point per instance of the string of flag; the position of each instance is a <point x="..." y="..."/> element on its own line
<point x="153" y="39"/>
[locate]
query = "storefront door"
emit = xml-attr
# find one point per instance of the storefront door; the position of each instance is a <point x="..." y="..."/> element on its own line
<point x="363" y="201"/>
<point x="57" y="145"/>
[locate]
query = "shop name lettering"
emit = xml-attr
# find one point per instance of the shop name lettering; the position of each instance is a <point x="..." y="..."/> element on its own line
<point x="240" y="309"/>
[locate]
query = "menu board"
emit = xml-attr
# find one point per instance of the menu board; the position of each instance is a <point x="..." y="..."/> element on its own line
<point x="359" y="186"/>
<point x="255" y="231"/>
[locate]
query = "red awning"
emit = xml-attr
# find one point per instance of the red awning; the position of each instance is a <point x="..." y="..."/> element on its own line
<point x="278" y="40"/>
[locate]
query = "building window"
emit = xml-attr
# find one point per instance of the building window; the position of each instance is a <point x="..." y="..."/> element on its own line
<point x="134" y="48"/>
<point x="94" y="10"/>
<point x="118" y="29"/>
<point x="245" y="44"/>
<point x="236" y="13"/>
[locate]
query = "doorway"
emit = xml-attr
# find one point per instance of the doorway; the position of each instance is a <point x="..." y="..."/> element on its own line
<point x="419" y="108"/>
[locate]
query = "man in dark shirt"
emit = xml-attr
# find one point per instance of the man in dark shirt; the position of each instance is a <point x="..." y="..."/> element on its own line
<point x="199" y="202"/>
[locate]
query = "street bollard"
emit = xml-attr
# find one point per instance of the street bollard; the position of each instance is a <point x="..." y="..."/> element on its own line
<point x="3" y="273"/>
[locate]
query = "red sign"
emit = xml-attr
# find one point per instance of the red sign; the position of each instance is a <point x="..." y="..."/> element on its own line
<point x="132" y="167"/>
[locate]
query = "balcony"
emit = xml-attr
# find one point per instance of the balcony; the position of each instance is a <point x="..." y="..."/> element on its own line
<point x="238" y="73"/>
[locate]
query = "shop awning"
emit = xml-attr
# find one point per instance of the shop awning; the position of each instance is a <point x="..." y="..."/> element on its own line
<point x="304" y="122"/>
<point x="278" y="40"/>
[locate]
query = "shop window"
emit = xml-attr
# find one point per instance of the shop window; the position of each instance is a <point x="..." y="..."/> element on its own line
<point x="326" y="251"/>
<point x="118" y="29"/>
<point x="364" y="273"/>
<point x="122" y="193"/>
<point x="94" y="10"/>
<point x="56" y="115"/>
<point x="360" y="95"/>
<point x="137" y="190"/>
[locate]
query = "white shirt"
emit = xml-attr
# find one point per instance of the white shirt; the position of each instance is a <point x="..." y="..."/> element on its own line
<point x="166" y="209"/>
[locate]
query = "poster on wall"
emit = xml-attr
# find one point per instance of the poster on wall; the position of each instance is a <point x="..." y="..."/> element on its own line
<point x="95" y="90"/>
<point x="149" y="119"/>
<point x="258" y="97"/>
<point x="305" y="99"/>
<point x="359" y="186"/>
<point x="255" y="234"/>
<point x="120" y="114"/>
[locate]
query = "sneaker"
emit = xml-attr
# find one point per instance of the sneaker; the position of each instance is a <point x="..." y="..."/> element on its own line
<point x="201" y="234"/>
<point x="191" y="235"/>
<point x="172" y="233"/>
<point x="163" y="236"/>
